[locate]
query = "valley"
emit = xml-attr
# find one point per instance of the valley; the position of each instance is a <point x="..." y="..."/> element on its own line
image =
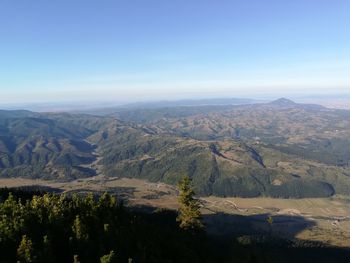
<point x="247" y="162"/>
<point x="175" y="131"/>
<point x="279" y="149"/>
<point x="324" y="220"/>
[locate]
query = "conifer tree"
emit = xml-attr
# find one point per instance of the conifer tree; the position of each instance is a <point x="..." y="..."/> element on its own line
<point x="109" y="258"/>
<point x="25" y="250"/>
<point x="76" y="259"/>
<point x="189" y="209"/>
<point x="79" y="229"/>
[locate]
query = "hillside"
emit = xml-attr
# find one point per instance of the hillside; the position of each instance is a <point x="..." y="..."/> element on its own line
<point x="278" y="149"/>
<point x="37" y="227"/>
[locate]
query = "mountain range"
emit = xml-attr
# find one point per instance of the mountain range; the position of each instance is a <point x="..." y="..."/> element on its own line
<point x="279" y="149"/>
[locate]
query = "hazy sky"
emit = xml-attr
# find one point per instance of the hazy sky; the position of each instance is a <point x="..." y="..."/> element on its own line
<point x="125" y="50"/>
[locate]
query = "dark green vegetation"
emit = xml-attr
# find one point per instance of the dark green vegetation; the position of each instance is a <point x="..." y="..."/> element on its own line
<point x="56" y="228"/>
<point x="189" y="217"/>
<point x="279" y="149"/>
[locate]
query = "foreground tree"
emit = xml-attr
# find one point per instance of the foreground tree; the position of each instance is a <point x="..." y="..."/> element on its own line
<point x="85" y="228"/>
<point x="189" y="209"/>
<point x="25" y="250"/>
<point x="109" y="258"/>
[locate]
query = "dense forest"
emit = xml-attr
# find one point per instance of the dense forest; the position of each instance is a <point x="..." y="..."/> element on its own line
<point x="55" y="228"/>
<point x="41" y="227"/>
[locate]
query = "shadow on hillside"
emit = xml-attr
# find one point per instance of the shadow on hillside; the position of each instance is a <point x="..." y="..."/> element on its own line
<point x="37" y="189"/>
<point x="287" y="226"/>
<point x="223" y="224"/>
<point x="239" y="238"/>
<point x="83" y="146"/>
<point x="27" y="192"/>
<point x="122" y="193"/>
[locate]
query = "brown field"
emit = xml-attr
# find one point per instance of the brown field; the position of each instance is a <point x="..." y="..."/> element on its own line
<point x="318" y="219"/>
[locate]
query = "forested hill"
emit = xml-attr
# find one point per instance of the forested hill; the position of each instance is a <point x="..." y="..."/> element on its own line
<point x="279" y="149"/>
<point x="53" y="228"/>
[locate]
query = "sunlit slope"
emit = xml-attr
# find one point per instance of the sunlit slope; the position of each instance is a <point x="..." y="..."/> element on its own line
<point x="280" y="149"/>
<point x="225" y="168"/>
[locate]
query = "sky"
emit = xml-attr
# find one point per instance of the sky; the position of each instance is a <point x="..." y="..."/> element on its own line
<point x="132" y="50"/>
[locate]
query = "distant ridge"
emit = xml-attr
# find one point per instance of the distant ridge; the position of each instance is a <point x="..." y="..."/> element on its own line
<point x="16" y="113"/>
<point x="170" y="104"/>
<point x="287" y="103"/>
<point x="283" y="102"/>
<point x="193" y="102"/>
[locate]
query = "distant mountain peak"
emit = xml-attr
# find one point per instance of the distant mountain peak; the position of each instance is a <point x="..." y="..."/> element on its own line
<point x="283" y="102"/>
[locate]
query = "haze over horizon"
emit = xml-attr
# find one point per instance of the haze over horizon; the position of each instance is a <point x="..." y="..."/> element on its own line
<point x="127" y="51"/>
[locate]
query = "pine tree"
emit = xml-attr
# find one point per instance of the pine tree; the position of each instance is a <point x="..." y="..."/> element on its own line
<point x="79" y="229"/>
<point x="189" y="209"/>
<point x="25" y="250"/>
<point x="109" y="258"/>
<point x="76" y="259"/>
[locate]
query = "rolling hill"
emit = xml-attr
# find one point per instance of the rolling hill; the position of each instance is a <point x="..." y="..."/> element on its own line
<point x="278" y="149"/>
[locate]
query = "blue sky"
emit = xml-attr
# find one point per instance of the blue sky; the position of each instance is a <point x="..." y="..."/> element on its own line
<point x="127" y="50"/>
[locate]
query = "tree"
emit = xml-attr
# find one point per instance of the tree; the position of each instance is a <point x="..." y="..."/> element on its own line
<point x="76" y="259"/>
<point x="25" y="250"/>
<point x="270" y="222"/>
<point x="79" y="229"/>
<point x="109" y="258"/>
<point x="189" y="209"/>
